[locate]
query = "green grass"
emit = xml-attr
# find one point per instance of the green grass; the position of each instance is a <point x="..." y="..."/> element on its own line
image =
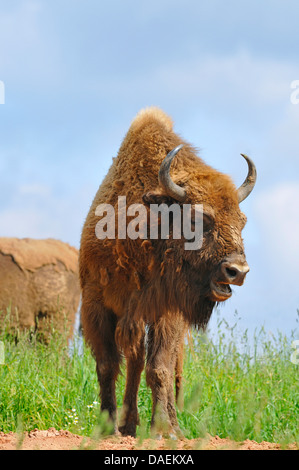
<point x="234" y="387"/>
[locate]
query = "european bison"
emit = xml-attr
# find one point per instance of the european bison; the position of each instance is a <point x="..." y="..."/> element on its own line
<point x="39" y="282"/>
<point x="154" y="285"/>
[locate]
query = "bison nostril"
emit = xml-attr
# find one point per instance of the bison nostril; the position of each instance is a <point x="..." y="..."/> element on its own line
<point x="232" y="273"/>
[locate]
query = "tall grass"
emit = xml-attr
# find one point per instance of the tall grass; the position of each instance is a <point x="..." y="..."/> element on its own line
<point x="245" y="392"/>
<point x="234" y="386"/>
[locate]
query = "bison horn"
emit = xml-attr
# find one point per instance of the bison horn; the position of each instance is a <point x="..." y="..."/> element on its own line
<point x="172" y="189"/>
<point x="248" y="185"/>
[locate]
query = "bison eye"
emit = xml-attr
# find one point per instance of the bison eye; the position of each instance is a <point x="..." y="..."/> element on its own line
<point x="208" y="223"/>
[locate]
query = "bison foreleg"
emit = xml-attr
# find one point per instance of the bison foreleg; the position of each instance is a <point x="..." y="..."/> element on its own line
<point x="164" y="341"/>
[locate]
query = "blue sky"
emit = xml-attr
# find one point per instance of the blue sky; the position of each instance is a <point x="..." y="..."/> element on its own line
<point x="77" y="72"/>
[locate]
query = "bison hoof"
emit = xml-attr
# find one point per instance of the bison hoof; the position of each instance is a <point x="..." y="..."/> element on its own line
<point x="128" y="429"/>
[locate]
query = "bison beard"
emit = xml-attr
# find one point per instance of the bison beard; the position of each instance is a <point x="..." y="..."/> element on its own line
<point x="140" y="296"/>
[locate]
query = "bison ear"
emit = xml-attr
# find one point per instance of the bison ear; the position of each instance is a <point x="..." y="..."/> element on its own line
<point x="152" y="197"/>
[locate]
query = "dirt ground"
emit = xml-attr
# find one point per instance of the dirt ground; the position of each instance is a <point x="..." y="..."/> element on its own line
<point x="64" y="440"/>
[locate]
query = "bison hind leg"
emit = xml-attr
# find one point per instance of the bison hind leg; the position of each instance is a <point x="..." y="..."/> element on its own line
<point x="99" y="325"/>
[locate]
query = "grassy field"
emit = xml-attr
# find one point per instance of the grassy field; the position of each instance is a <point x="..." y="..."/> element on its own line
<point x="234" y="387"/>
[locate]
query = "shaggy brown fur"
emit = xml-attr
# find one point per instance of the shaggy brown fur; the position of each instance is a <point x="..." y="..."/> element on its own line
<point x="39" y="281"/>
<point x="127" y="284"/>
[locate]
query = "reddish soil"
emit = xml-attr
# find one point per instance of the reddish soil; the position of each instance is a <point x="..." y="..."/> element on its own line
<point x="64" y="440"/>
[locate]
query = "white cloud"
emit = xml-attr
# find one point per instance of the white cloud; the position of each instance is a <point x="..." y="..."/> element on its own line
<point x="38" y="211"/>
<point x="34" y="189"/>
<point x="30" y="213"/>
<point x="240" y="78"/>
<point x="18" y="30"/>
<point x="276" y="296"/>
<point x="278" y="216"/>
<point x="30" y="57"/>
<point x="283" y="139"/>
<point x="23" y="222"/>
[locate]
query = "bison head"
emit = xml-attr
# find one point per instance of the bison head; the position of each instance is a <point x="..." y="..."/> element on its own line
<point x="206" y="273"/>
